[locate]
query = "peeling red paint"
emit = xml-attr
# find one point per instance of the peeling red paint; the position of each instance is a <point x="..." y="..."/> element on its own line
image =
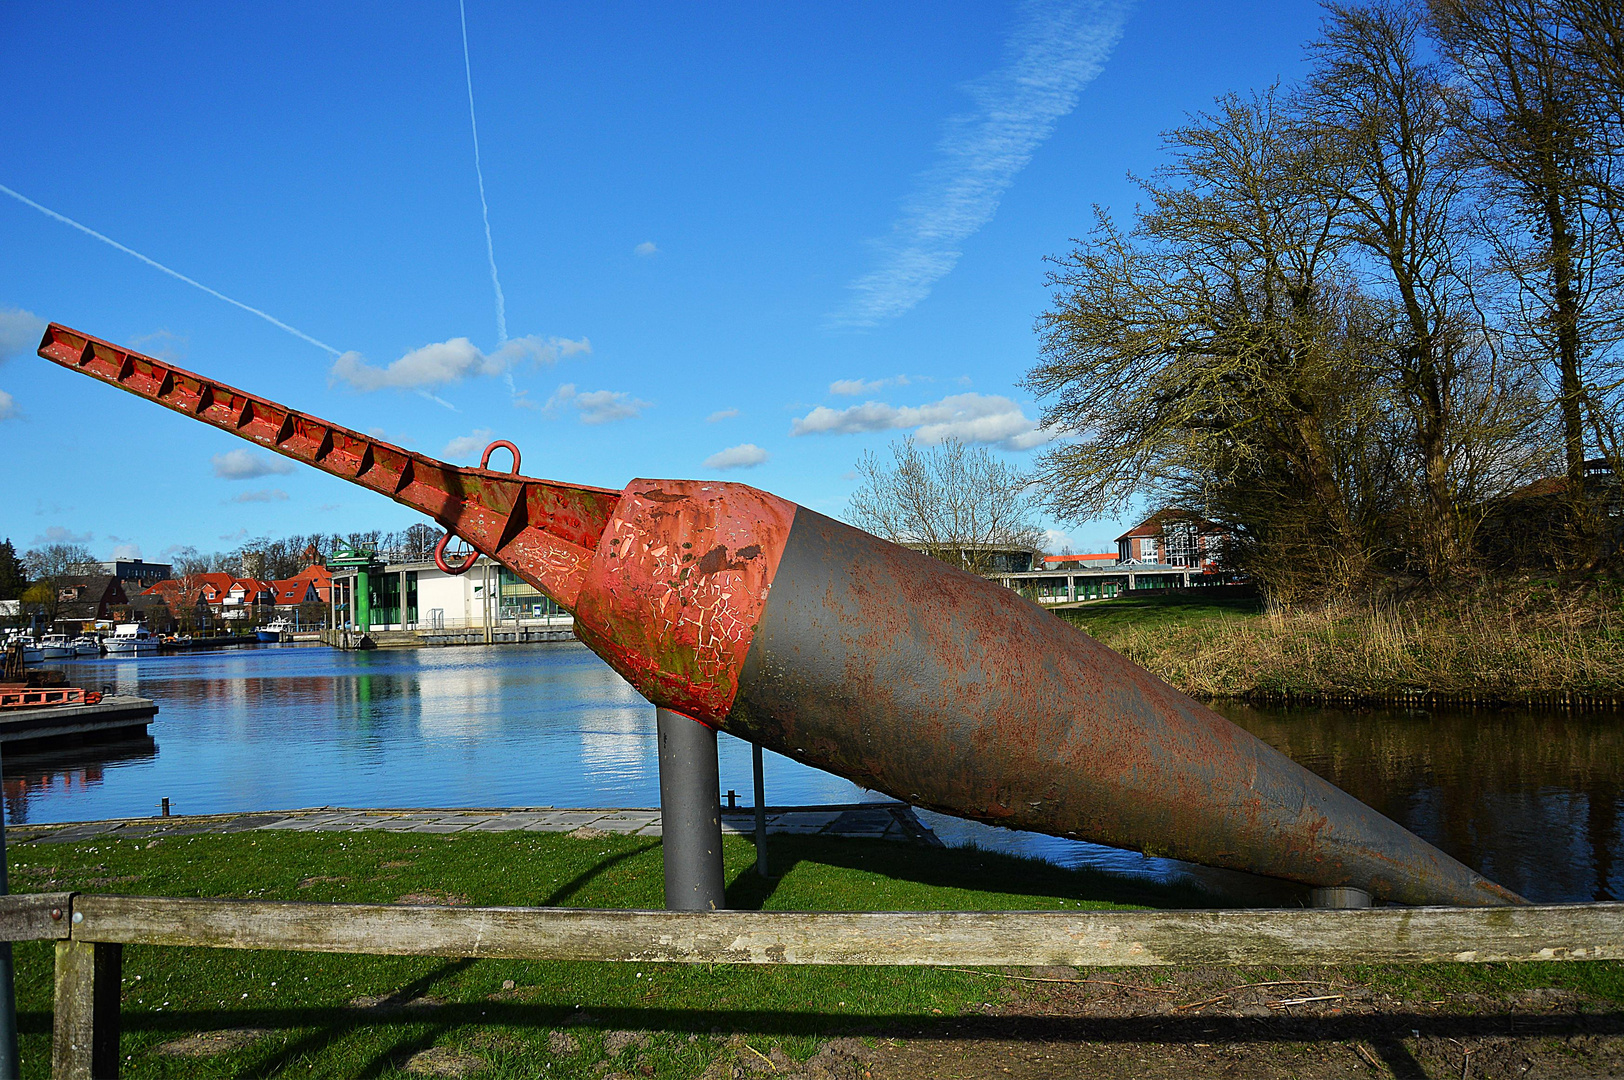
<point x="677" y="586"/>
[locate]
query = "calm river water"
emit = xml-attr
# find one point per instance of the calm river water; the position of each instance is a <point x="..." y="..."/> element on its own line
<point x="1530" y="799"/>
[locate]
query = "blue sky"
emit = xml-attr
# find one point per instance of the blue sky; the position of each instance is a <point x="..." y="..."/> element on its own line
<point x="745" y="242"/>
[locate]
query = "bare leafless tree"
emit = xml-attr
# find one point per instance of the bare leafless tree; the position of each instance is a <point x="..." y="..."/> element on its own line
<point x="1394" y="120"/>
<point x="1535" y="134"/>
<point x="954" y="502"/>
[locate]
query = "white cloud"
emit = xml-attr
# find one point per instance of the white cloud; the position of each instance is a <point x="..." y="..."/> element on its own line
<point x="56" y="534"/>
<point x="467" y="446"/>
<point x="1051" y="54"/>
<point x="20" y="332"/>
<point x="853" y="387"/>
<point x="238" y="535"/>
<point x="127" y="551"/>
<point x="450" y="362"/>
<point x="972" y="418"/>
<point x="8" y="406"/>
<point x="594" y="406"/>
<point x="1055" y="541"/>
<point x="645" y="249"/>
<point x="721" y="414"/>
<point x="264" y="495"/>
<point x="743" y="456"/>
<point x="161" y="344"/>
<point x="247" y="465"/>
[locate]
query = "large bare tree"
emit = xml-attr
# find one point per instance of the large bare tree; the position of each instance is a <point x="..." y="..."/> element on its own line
<point x="1535" y="133"/>
<point x="1220" y="356"/>
<point x="1394" y="119"/>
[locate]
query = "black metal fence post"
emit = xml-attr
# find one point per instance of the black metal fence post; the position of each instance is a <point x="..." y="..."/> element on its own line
<point x="690" y="814"/>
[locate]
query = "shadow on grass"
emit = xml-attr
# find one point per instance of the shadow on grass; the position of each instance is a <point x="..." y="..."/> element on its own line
<point x="1384" y="1031"/>
<point x="385" y="1011"/>
<point x="953" y="868"/>
<point x="581" y="880"/>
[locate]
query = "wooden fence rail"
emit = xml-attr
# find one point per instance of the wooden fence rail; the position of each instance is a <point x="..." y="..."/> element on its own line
<point x="91" y="931"/>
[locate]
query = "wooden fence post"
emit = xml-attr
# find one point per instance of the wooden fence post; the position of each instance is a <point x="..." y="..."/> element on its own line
<point x="84" y="1037"/>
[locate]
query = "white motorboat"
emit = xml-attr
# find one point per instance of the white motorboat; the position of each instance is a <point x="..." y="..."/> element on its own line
<point x="130" y="639"/>
<point x="56" y="647"/>
<point x="86" y="645"/>
<point x="32" y="653"/>
<point x="273" y="631"/>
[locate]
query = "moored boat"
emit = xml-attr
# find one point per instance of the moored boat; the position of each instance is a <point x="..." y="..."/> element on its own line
<point x="273" y="631"/>
<point x="85" y="645"/>
<point x="32" y="653"/>
<point x="56" y="647"/>
<point x="131" y="639"/>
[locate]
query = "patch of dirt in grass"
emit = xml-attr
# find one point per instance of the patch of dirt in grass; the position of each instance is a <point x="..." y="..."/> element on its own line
<point x="322" y="879"/>
<point x="395" y="864"/>
<point x="441" y="1061"/>
<point x="616" y="1041"/>
<point x="1209" y="1023"/>
<point x="434" y="899"/>
<point x="209" y="1043"/>
<point x="586" y="832"/>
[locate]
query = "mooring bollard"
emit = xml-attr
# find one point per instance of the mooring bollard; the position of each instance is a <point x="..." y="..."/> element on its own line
<point x="690" y="814"/>
<point x="1339" y="896"/>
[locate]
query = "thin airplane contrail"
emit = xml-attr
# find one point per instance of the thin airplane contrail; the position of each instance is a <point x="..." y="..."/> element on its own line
<point x="273" y="320"/>
<point x="484" y="208"/>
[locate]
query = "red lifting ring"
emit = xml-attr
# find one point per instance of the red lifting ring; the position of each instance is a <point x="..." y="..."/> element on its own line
<point x="439" y="549"/>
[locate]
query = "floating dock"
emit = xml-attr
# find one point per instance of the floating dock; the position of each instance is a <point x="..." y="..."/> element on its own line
<point x="122" y="716"/>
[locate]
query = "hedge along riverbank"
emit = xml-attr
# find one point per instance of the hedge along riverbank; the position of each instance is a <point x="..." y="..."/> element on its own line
<point x="1530" y="646"/>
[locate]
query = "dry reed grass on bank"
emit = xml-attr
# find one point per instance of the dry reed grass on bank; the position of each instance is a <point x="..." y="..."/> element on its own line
<point x="1534" y="648"/>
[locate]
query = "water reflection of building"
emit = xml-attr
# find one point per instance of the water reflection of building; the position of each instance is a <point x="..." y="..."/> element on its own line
<point x="52" y="773"/>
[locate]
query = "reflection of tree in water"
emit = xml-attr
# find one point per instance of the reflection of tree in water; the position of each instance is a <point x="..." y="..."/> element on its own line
<point x="1529" y="799"/>
<point x="28" y="775"/>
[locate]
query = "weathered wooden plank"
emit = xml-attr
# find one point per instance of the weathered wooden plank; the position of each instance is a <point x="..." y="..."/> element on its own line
<point x="35" y="916"/>
<point x="1114" y="938"/>
<point x="85" y="1023"/>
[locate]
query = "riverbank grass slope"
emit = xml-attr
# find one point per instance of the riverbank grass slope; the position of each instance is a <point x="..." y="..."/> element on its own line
<point x="1531" y="646"/>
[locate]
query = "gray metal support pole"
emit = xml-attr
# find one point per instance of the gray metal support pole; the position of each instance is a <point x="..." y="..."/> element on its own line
<point x="690" y="814"/>
<point x="761" y="810"/>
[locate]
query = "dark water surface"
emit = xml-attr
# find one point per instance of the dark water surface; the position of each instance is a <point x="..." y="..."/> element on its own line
<point x="1530" y="799"/>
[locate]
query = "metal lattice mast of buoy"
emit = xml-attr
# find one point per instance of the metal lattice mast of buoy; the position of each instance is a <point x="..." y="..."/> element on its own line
<point x="746" y="613"/>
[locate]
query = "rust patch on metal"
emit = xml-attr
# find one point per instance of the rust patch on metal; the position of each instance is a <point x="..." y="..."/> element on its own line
<point x="676" y="589"/>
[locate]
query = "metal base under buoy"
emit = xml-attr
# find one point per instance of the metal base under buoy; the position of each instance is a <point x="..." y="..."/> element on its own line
<point x="690" y="814"/>
<point x="1338" y="896"/>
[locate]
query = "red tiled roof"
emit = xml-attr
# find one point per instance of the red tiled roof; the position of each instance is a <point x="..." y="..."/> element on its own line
<point x="1152" y="526"/>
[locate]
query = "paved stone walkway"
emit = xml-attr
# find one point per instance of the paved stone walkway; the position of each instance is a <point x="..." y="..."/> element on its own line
<point x="874" y="821"/>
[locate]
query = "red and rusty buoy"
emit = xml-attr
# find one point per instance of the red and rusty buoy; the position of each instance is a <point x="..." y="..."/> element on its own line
<point x="759" y="617"/>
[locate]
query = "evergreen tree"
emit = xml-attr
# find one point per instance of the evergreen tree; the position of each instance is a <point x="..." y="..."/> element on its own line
<point x="13" y="578"/>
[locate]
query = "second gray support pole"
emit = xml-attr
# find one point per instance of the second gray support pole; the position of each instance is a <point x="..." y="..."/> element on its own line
<point x="761" y="810"/>
<point x="690" y="814"/>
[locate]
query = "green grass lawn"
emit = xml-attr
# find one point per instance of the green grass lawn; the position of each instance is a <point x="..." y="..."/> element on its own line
<point x="329" y="1016"/>
<point x="1184" y="608"/>
<point x="253" y="1014"/>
